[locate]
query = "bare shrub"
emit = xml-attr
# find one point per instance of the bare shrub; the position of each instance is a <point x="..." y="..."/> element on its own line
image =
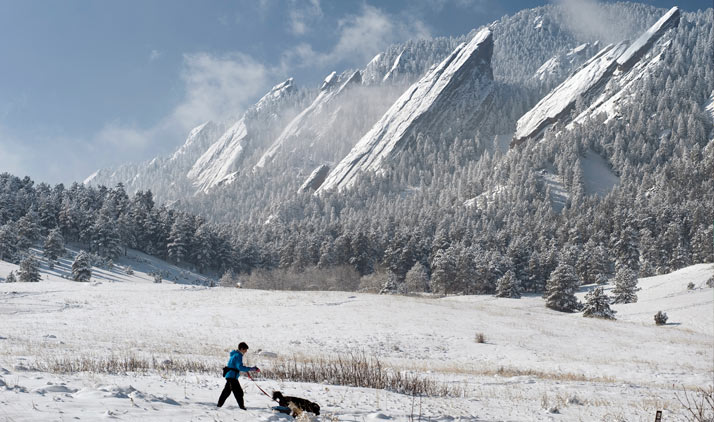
<point x="373" y="283"/>
<point x="690" y="286"/>
<point x="343" y="278"/>
<point x="698" y="405"/>
<point x="480" y="338"/>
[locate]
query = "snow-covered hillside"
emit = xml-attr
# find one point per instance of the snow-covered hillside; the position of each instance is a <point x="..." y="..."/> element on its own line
<point x="532" y="357"/>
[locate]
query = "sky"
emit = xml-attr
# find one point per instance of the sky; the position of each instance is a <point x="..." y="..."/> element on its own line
<point x="88" y="84"/>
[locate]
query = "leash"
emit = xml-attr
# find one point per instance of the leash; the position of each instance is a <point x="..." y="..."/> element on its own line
<point x="261" y="390"/>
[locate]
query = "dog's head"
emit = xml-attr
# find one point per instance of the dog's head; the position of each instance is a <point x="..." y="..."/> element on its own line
<point x="317" y="409"/>
<point x="277" y="395"/>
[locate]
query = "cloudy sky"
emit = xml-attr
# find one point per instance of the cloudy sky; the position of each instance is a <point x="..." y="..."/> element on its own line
<point x="86" y="84"/>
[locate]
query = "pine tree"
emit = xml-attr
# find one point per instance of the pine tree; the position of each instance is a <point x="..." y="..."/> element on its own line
<point x="561" y="288"/>
<point x="625" y="290"/>
<point x="54" y="245"/>
<point x="508" y="286"/>
<point x="29" y="271"/>
<point x="82" y="267"/>
<point x="597" y="305"/>
<point x="443" y="271"/>
<point x="11" y="278"/>
<point x="180" y="239"/>
<point x="8" y="242"/>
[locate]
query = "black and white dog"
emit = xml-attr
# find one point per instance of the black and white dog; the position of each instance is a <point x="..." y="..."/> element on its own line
<point x="296" y="404"/>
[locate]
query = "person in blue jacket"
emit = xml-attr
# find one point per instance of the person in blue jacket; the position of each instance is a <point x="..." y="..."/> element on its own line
<point x="236" y="363"/>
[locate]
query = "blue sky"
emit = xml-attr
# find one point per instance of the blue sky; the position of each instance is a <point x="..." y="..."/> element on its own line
<point x="86" y="84"/>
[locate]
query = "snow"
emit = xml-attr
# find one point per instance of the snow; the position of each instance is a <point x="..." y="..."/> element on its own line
<point x="642" y="44"/>
<point x="300" y="123"/>
<point x="91" y="177"/>
<point x="394" y="68"/>
<point x="316" y="178"/>
<point x="559" y="64"/>
<point x="218" y="162"/>
<point x="559" y="194"/>
<point x="709" y="107"/>
<point x="598" y="177"/>
<point x="467" y="69"/>
<point x="562" y="99"/>
<point x="193" y="135"/>
<point x="612" y="368"/>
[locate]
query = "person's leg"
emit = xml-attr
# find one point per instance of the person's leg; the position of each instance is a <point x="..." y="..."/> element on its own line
<point x="237" y="392"/>
<point x="225" y="393"/>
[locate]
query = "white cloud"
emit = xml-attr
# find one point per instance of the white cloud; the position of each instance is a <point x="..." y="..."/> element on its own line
<point x="359" y="38"/>
<point x="216" y="88"/>
<point x="589" y="19"/>
<point x="154" y="55"/>
<point x="303" y="16"/>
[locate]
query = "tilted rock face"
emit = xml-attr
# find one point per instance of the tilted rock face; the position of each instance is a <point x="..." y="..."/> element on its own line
<point x="558" y="103"/>
<point x="312" y="119"/>
<point x="600" y="82"/>
<point x="465" y="75"/>
<point x="220" y="161"/>
<point x="642" y="44"/>
<point x="315" y="180"/>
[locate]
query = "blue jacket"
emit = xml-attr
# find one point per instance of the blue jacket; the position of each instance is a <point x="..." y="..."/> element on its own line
<point x="236" y="361"/>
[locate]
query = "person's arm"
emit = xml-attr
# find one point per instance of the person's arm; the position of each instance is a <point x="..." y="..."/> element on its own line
<point x="242" y="368"/>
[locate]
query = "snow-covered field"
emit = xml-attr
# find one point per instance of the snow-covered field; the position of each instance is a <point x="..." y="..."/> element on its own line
<point x="532" y="358"/>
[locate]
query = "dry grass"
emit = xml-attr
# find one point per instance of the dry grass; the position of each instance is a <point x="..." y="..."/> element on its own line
<point x="121" y="365"/>
<point x="359" y="370"/>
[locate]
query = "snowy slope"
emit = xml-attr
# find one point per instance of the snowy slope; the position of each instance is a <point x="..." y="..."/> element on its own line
<point x="312" y="119"/>
<point x="221" y="160"/>
<point x="598" y="177"/>
<point x="590" y="369"/>
<point x="465" y="74"/>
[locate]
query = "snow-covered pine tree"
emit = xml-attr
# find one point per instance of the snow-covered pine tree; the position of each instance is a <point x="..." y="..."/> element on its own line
<point x="560" y="289"/>
<point x="54" y="245"/>
<point x="597" y="305"/>
<point x="29" y="271"/>
<point x="8" y="242"/>
<point x="443" y="271"/>
<point x="417" y="279"/>
<point x="508" y="286"/>
<point x="625" y="290"/>
<point x="28" y="230"/>
<point x="180" y="239"/>
<point x="82" y="267"/>
<point x="11" y="278"/>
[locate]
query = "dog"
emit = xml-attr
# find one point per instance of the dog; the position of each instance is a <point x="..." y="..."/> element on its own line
<point x="296" y="404"/>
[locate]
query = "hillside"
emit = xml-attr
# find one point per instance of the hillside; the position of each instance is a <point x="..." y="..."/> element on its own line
<point x="532" y="356"/>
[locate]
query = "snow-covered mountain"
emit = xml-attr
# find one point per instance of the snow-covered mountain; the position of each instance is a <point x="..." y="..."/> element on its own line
<point x="463" y="77"/>
<point x="221" y="161"/>
<point x="600" y="81"/>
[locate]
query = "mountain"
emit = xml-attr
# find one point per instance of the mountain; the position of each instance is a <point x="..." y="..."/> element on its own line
<point x="463" y="77"/>
<point x="610" y="164"/>
<point x="221" y="161"/>
<point x="610" y="70"/>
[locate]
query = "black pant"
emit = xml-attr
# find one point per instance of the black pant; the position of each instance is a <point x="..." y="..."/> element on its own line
<point x="232" y="384"/>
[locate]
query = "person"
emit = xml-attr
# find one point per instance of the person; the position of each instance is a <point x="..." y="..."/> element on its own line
<point x="235" y="363"/>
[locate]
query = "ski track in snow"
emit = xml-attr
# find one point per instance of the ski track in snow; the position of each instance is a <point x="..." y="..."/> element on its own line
<point x="614" y="369"/>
